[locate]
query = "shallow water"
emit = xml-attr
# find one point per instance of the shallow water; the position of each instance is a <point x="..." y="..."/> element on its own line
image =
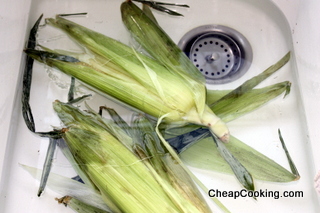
<point x="268" y="32"/>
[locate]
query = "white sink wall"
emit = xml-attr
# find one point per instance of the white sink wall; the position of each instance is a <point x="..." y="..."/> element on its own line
<point x="303" y="17"/>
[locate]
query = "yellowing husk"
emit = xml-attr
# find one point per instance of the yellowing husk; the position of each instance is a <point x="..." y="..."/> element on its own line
<point x="79" y="206"/>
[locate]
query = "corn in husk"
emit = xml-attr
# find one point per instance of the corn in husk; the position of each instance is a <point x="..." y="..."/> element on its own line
<point x="127" y="183"/>
<point x="137" y="80"/>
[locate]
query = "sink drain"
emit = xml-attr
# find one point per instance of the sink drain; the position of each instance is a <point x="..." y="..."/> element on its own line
<point x="220" y="53"/>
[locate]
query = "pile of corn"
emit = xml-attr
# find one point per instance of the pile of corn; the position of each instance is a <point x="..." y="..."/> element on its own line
<point x="133" y="167"/>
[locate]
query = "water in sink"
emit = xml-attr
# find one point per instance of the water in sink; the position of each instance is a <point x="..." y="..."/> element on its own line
<point x="268" y="32"/>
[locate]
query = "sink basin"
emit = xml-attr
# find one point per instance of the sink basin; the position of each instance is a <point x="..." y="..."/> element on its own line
<point x="271" y="27"/>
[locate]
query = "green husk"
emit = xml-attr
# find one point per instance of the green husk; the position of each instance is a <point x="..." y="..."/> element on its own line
<point x="160" y="46"/>
<point x="251" y="83"/>
<point x="150" y="147"/>
<point x="113" y="54"/>
<point x="67" y="153"/>
<point x="65" y="185"/>
<point x="259" y="166"/>
<point x="231" y="104"/>
<point x="47" y="165"/>
<point x="176" y="96"/>
<point x="241" y="172"/>
<point x="116" y="171"/>
<point x="266" y="169"/>
<point x="98" y="159"/>
<point x="127" y="90"/>
<point x="147" y="80"/>
<point x="250" y="101"/>
<point x="293" y="167"/>
<point x="156" y="41"/>
<point x="146" y="9"/>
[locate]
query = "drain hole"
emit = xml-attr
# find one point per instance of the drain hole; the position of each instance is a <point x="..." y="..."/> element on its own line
<point x="220" y="53"/>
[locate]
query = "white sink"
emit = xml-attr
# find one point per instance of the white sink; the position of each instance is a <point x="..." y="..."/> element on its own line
<point x="272" y="27"/>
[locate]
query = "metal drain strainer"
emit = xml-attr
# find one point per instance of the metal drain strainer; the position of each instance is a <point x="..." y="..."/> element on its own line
<point x="220" y="53"/>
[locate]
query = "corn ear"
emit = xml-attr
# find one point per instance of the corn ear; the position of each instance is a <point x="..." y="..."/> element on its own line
<point x="116" y="171"/>
<point x="105" y="166"/>
<point x="121" y="58"/>
<point x="156" y="41"/>
<point x="111" y="52"/>
<point x="129" y="92"/>
<point x="145" y="30"/>
<point x="159" y="45"/>
<point x="150" y="149"/>
<point x="135" y="79"/>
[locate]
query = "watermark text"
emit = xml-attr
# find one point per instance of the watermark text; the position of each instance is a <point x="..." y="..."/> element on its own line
<point x="254" y="194"/>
